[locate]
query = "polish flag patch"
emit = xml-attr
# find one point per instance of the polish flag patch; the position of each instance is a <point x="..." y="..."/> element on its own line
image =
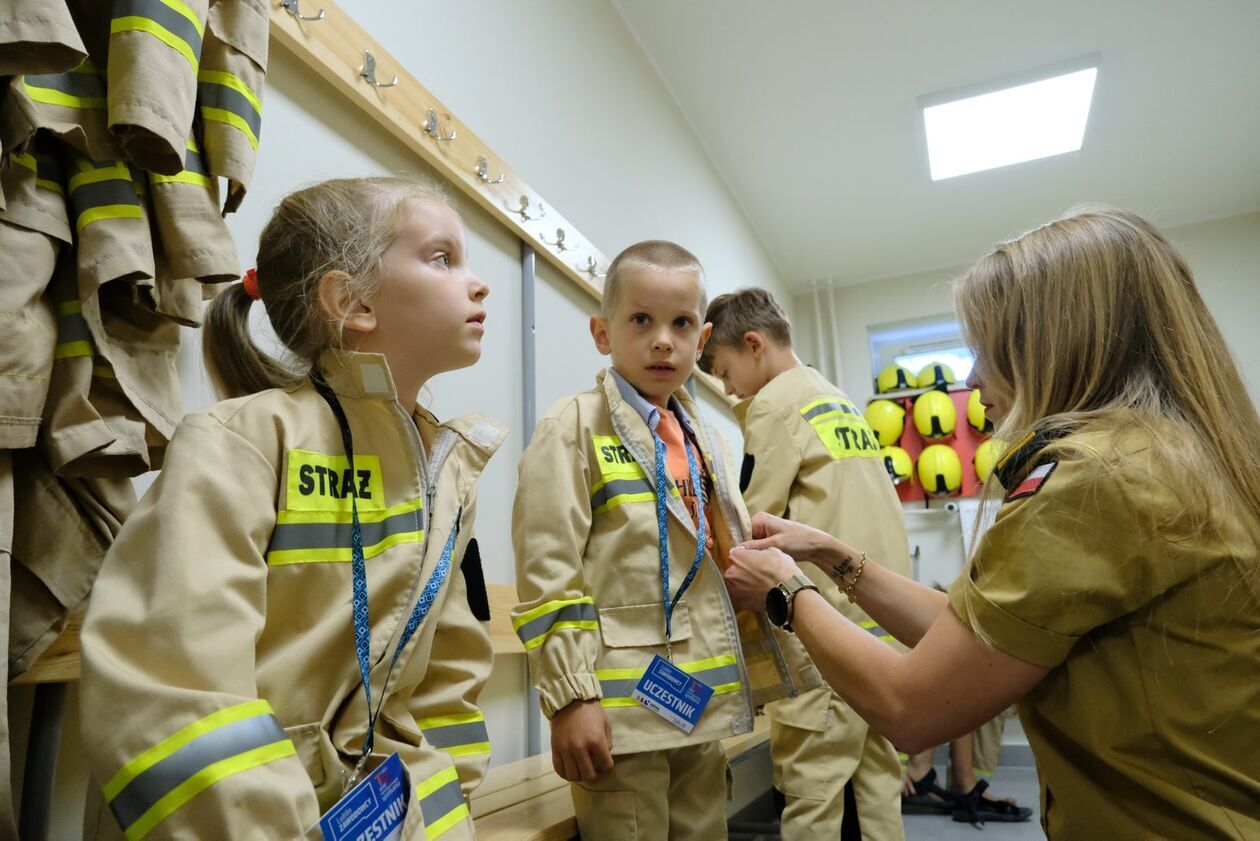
<point x="1033" y="482"/>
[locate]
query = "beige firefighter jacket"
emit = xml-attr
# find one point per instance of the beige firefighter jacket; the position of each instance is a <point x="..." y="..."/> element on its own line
<point x="810" y="456"/>
<point x="584" y="529"/>
<point x="218" y="647"/>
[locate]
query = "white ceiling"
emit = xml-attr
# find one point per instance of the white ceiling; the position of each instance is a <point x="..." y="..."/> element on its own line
<point x="809" y="110"/>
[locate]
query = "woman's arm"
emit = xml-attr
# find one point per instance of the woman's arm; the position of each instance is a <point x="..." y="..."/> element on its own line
<point x="947" y="685"/>
<point x="903" y="607"/>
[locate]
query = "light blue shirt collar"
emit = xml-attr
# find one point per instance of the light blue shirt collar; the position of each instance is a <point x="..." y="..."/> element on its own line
<point x="647" y="410"/>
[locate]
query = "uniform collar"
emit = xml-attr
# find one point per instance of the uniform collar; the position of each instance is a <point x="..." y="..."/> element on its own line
<point x="789" y="382"/>
<point x="650" y="412"/>
<point x="1019" y="459"/>
<point x="353" y="374"/>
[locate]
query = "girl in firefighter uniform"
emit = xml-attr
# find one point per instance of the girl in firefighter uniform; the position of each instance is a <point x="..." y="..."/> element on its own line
<point x="300" y="594"/>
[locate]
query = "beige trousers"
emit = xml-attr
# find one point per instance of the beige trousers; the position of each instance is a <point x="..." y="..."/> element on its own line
<point x="825" y="746"/>
<point x="668" y="795"/>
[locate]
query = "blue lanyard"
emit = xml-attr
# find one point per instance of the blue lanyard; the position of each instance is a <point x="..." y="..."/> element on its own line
<point x="663" y="534"/>
<point x="358" y="568"/>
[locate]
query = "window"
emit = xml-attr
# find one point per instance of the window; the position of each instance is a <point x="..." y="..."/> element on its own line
<point x="918" y="343"/>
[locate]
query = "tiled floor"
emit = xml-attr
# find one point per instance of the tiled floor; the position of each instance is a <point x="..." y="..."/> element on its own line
<point x="1020" y="783"/>
<point x="757" y="820"/>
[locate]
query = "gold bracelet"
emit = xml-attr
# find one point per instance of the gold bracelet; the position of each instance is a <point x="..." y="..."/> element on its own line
<point x="848" y="591"/>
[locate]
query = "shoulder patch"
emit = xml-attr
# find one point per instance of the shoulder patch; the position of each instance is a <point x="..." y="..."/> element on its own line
<point x="1033" y="482"/>
<point x="475" y="581"/>
<point x="746" y="472"/>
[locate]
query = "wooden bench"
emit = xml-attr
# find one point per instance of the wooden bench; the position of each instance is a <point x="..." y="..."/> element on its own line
<point x="527" y="800"/>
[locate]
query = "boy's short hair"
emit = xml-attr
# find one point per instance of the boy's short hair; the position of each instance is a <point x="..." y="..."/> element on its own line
<point x="650" y="254"/>
<point x="734" y="314"/>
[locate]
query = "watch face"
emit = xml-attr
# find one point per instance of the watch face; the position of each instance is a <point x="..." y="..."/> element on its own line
<point x="777" y="606"/>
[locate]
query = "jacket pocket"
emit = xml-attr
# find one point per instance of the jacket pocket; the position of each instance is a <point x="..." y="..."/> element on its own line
<point x="641" y="625"/>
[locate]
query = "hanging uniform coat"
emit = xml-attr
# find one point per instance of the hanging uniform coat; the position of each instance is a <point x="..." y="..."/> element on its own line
<point x="33" y="236"/>
<point x="810" y="456"/>
<point x="230" y="89"/>
<point x="219" y="635"/>
<point x="585" y="532"/>
<point x="37" y="36"/>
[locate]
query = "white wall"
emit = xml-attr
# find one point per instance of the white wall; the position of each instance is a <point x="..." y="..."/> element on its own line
<point x="1224" y="255"/>
<point x="562" y="92"/>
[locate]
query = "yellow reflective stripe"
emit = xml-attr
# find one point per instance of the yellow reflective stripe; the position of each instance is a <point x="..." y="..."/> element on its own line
<point x="347" y="516"/>
<point x="109" y="211"/>
<point x="52" y="96"/>
<point x="185" y="177"/>
<point x="441" y="778"/>
<point x="580" y="625"/>
<point x="341" y="554"/>
<point x="133" y="23"/>
<point x="221" y="115"/>
<point x="726" y="688"/>
<point x="70" y="350"/>
<point x="105" y="372"/>
<point x="619" y="702"/>
<point x="181" y="737"/>
<point x="26" y="160"/>
<point x="69" y="307"/>
<point x="711" y="663"/>
<point x="95" y="174"/>
<point x="624" y="498"/>
<point x="202" y="780"/>
<point x="475" y="749"/>
<point x="691" y="668"/>
<point x="219" y="77"/>
<point x="448" y="720"/>
<point x="547" y="607"/>
<point x="448" y="821"/>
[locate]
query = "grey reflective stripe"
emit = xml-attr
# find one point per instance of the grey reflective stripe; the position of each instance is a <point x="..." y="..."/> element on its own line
<point x="622" y="687"/>
<point x="582" y="612"/>
<point x="194" y="163"/>
<point x="440" y="803"/>
<point x="102" y="193"/>
<point x="616" y="488"/>
<point x="223" y="743"/>
<point x="221" y="96"/>
<point x="826" y="408"/>
<point x="338" y="535"/>
<point x="86" y="85"/>
<point x="876" y="630"/>
<point x="454" y="735"/>
<point x="72" y="327"/>
<point x="169" y="19"/>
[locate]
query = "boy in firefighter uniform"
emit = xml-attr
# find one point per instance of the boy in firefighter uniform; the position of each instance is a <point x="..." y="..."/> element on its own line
<point x="811" y="456"/>
<point x="300" y="595"/>
<point x="625" y="511"/>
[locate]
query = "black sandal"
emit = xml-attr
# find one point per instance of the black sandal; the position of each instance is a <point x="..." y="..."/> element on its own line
<point x="976" y="809"/>
<point x="922" y="801"/>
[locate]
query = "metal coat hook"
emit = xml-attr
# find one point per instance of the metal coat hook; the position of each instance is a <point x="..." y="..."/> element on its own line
<point x="293" y="7"/>
<point x="369" y="72"/>
<point x="590" y="268"/>
<point x="523" y="210"/>
<point x="431" y="129"/>
<point x="559" y="243"/>
<point x="483" y="172"/>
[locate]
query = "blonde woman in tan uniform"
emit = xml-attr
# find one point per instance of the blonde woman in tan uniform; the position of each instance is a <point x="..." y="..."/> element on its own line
<point x="1116" y="598"/>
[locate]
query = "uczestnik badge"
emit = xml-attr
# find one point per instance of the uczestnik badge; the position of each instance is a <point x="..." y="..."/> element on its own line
<point x="373" y="810"/>
<point x="672" y="694"/>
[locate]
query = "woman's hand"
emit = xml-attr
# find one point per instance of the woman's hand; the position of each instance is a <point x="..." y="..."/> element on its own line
<point x="755" y="572"/>
<point x="804" y="543"/>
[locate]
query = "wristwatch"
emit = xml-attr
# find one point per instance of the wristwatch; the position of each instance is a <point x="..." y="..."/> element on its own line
<point x="779" y="600"/>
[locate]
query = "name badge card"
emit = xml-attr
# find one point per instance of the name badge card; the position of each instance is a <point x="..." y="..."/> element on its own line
<point x="373" y="810"/>
<point x="672" y="694"/>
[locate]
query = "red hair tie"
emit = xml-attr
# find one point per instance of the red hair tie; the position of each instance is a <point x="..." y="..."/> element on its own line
<point x="250" y="282"/>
